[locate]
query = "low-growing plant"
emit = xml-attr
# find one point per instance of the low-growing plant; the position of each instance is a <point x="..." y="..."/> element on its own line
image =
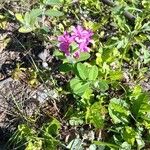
<point x="29" y="137"/>
<point x="35" y="19"/>
<point x="104" y="55"/>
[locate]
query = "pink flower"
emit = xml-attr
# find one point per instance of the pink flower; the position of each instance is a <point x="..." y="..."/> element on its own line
<point x="79" y="35"/>
<point x="76" y="54"/>
<point x="83" y="47"/>
<point x="65" y="41"/>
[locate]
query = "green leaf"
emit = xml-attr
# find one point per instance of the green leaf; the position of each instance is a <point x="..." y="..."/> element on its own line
<point x="129" y="135"/>
<point x="45" y="29"/>
<point x="52" y="128"/>
<point x="36" y="144"/>
<point x="93" y="73"/>
<point x="51" y="2"/>
<point x="78" y="87"/>
<point x="95" y="115"/>
<point x="20" y="17"/>
<point x="93" y="147"/>
<point x="75" y="144"/>
<point x="27" y="18"/>
<point x="106" y="144"/>
<point x="83" y="57"/>
<point x="125" y="146"/>
<point x="59" y="54"/>
<point x="53" y="13"/>
<point x="75" y="121"/>
<point x="87" y="94"/>
<point x="82" y="71"/>
<point x="140" y="104"/>
<point x="140" y="142"/>
<point x="25" y="29"/>
<point x="146" y="4"/>
<point x="35" y="13"/>
<point x="118" y="111"/>
<point x="73" y="47"/>
<point x="102" y="85"/>
<point x="116" y="75"/>
<point x="65" y="67"/>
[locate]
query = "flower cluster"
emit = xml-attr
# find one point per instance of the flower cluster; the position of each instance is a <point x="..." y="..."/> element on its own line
<point x="80" y="36"/>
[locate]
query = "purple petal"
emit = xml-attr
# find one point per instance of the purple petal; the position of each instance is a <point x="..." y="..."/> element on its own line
<point x="76" y="54"/>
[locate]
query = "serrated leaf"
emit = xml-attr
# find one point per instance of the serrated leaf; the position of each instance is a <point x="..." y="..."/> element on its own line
<point x="118" y="111"/>
<point x="75" y="121"/>
<point x="129" y="135"/>
<point x="140" y="104"/>
<point x="53" y="13"/>
<point x="95" y="115"/>
<point x="93" y="73"/>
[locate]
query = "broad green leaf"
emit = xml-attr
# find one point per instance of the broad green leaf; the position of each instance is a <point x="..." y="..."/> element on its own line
<point x="27" y="18"/>
<point x="83" y="57"/>
<point x="82" y="71"/>
<point x="78" y="87"/>
<point x="20" y="17"/>
<point x="140" y="104"/>
<point x="25" y="29"/>
<point x="102" y="85"/>
<point x="36" y="12"/>
<point x="95" y="115"/>
<point x="75" y="144"/>
<point x="93" y="73"/>
<point x="65" y="67"/>
<point x="59" y="54"/>
<point x="53" y="13"/>
<point x="118" y="111"/>
<point x="87" y="94"/>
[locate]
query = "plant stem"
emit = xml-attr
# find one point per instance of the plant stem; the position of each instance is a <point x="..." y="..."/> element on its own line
<point x="127" y="14"/>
